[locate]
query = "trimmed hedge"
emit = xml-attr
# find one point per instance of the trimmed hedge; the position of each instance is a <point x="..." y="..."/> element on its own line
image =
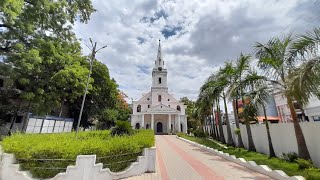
<point x="115" y="152"/>
<point x="291" y="168"/>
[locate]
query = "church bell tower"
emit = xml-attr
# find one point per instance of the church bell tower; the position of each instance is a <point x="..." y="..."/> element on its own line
<point x="159" y="73"/>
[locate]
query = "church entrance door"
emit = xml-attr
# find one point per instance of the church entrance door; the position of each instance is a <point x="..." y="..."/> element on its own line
<point x="159" y="127"/>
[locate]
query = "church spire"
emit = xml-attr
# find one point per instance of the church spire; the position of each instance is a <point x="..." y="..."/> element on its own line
<point x="159" y="62"/>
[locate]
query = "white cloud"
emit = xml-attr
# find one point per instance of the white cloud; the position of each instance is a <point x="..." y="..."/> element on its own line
<point x="206" y="34"/>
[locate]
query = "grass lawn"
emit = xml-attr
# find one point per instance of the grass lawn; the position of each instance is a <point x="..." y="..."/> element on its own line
<point x="291" y="168"/>
<point x="115" y="152"/>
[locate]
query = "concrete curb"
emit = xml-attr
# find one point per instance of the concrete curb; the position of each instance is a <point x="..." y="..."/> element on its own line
<point x="263" y="169"/>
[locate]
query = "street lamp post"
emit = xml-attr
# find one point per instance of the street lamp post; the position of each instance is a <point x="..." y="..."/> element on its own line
<point x="92" y="58"/>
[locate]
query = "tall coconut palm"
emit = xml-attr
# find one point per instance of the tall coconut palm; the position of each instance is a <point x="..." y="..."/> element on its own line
<point x="277" y="60"/>
<point x="304" y="81"/>
<point x="212" y="89"/>
<point x="249" y="113"/>
<point x="224" y="80"/>
<point x="218" y="83"/>
<point x="259" y="95"/>
<point x="242" y="65"/>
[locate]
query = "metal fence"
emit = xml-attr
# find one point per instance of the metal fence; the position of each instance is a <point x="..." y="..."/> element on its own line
<point x="48" y="124"/>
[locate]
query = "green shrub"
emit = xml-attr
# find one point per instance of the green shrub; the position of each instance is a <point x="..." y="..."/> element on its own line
<point x="199" y="133"/>
<point x="29" y="148"/>
<point x="122" y="128"/>
<point x="290" y="157"/>
<point x="313" y="174"/>
<point x="304" y="164"/>
<point x="237" y="131"/>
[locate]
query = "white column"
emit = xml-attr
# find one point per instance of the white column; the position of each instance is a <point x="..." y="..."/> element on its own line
<point x="169" y="124"/>
<point x="179" y="126"/>
<point x="152" y="121"/>
<point x="142" y="122"/>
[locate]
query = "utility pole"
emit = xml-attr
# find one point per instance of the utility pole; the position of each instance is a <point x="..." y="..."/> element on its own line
<point x="92" y="58"/>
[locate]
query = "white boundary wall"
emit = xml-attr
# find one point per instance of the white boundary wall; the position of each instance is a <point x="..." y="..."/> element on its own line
<point x="85" y="168"/>
<point x="283" y="138"/>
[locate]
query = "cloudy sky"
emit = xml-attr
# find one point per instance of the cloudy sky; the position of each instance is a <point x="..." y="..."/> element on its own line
<point x="196" y="36"/>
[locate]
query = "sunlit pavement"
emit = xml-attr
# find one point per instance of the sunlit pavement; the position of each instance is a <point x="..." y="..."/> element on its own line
<point x="179" y="160"/>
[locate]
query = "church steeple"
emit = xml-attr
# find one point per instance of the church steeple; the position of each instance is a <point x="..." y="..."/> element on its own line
<point x="159" y="63"/>
<point x="159" y="73"/>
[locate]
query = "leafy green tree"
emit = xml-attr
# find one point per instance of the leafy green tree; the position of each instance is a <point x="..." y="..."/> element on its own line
<point x="102" y="95"/>
<point x="26" y="21"/>
<point x="107" y="119"/>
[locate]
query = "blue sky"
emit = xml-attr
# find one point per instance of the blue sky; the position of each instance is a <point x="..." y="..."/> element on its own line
<point x="197" y="36"/>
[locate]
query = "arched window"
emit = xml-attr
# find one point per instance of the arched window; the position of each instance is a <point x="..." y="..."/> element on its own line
<point x="178" y="108"/>
<point x="147" y="126"/>
<point x="159" y="80"/>
<point x="148" y="105"/>
<point x="139" y="108"/>
<point x="159" y="98"/>
<point x="137" y="126"/>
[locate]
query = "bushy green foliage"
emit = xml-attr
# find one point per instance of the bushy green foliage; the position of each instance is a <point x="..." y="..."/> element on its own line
<point x="291" y="168"/>
<point x="304" y="164"/>
<point x="290" y="157"/>
<point x="108" y="149"/>
<point x="237" y="131"/>
<point x="199" y="133"/>
<point x="122" y="128"/>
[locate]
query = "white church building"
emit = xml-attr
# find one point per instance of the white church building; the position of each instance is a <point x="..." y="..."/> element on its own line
<point x="158" y="109"/>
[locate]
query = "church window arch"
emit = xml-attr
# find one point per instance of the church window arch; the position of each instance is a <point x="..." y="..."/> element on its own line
<point x="159" y="98"/>
<point x="137" y="126"/>
<point x="178" y="108"/>
<point x="159" y="80"/>
<point x="148" y="105"/>
<point x="139" y="108"/>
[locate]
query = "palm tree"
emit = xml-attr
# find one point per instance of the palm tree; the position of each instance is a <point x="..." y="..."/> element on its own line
<point x="242" y="65"/>
<point x="259" y="96"/>
<point x="277" y="59"/>
<point x="217" y="84"/>
<point x="225" y="79"/>
<point x="211" y="91"/>
<point x="304" y="81"/>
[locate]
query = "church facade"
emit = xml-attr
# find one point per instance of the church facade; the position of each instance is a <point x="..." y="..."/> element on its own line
<point x="158" y="109"/>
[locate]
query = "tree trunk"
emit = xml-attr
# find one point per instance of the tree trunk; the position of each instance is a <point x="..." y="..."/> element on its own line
<point x="230" y="140"/>
<point x="215" y="126"/>
<point x="13" y="120"/>
<point x="271" y="150"/>
<point x="61" y="108"/>
<point x="249" y="133"/>
<point x="213" y="133"/>
<point x="221" y="135"/>
<point x="302" y="146"/>
<point x="236" y="118"/>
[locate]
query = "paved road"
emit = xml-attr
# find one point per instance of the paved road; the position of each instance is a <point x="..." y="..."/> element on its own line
<point x="178" y="160"/>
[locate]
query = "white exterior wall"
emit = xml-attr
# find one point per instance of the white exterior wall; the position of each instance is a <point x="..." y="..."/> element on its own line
<point x="312" y="110"/>
<point x="283" y="138"/>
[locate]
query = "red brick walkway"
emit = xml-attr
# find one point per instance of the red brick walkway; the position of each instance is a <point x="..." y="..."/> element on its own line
<point x="178" y="160"/>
